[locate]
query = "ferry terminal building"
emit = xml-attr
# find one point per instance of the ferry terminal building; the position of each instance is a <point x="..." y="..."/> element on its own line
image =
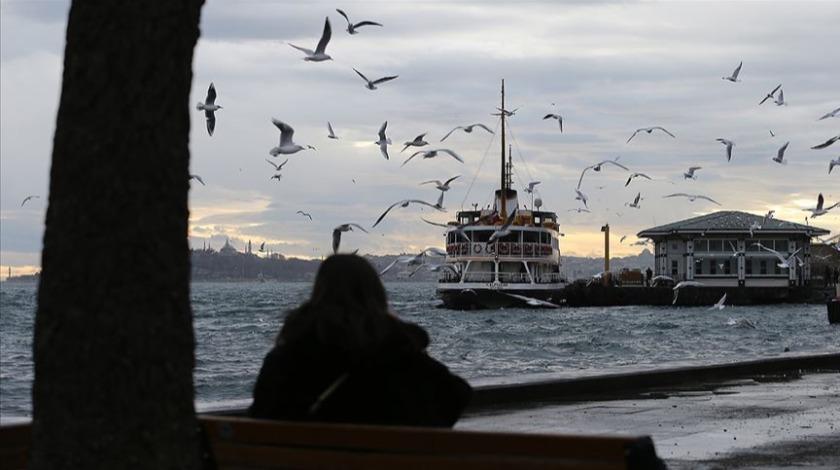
<point x="719" y="249"/>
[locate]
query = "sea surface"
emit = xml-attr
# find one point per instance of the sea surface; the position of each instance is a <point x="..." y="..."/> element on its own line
<point x="236" y="323"/>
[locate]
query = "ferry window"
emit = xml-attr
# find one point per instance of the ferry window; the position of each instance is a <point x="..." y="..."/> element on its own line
<point x="748" y="267"/>
<point x="727" y="267"/>
<point x="545" y="238"/>
<point x="701" y="245"/>
<point x="762" y="267"/>
<point x="716" y="245"/>
<point x="675" y="266"/>
<point x="777" y="269"/>
<point x="530" y="237"/>
<point x="698" y="266"/>
<point x="712" y="267"/>
<point x="480" y="235"/>
<point x="780" y="245"/>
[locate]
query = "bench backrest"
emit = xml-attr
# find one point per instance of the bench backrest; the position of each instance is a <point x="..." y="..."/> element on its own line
<point x="243" y="443"/>
<point x="259" y="444"/>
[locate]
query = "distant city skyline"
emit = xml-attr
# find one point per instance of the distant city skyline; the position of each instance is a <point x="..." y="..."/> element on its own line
<point x="607" y="68"/>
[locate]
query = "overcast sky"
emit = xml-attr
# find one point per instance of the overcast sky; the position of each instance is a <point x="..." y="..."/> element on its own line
<point x="608" y="68"/>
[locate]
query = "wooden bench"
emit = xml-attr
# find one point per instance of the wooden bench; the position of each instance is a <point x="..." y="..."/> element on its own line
<point x="242" y="443"/>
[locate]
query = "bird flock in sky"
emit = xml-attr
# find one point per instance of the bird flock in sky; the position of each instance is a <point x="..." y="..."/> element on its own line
<point x="287" y="145"/>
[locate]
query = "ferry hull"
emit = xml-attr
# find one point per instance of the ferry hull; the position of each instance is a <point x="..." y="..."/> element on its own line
<point x="488" y="297"/>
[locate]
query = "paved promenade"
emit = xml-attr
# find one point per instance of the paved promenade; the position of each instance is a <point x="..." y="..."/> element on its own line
<point x="786" y="421"/>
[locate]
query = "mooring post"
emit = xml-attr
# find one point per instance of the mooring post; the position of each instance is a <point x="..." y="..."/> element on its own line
<point x="606" y="230"/>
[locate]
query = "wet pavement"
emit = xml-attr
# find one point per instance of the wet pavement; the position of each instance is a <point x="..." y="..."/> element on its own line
<point x="772" y="422"/>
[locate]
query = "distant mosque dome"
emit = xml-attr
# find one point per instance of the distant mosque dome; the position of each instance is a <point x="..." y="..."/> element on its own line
<point x="228" y="249"/>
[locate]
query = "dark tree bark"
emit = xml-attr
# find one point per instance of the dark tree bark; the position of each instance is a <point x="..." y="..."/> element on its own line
<point x="114" y="346"/>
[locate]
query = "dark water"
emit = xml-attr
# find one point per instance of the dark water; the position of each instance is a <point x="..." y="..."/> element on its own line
<point x="236" y="323"/>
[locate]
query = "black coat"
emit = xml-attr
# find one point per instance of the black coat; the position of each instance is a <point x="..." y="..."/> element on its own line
<point x="395" y="382"/>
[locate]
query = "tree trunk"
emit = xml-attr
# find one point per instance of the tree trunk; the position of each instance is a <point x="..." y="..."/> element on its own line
<point x="114" y="346"/>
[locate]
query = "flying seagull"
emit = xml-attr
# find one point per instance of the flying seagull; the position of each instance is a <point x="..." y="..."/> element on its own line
<point x="770" y="95"/>
<point x="276" y="166"/>
<point x="351" y="27"/>
<point x="682" y="284"/>
<point x="504" y="230"/>
<point x="831" y="114"/>
<point x="649" y="130"/>
<point x="729" y="144"/>
<point x="433" y="153"/>
<point x="417" y="142"/>
<point x="819" y="210"/>
<point x="383" y="141"/>
<point x="371" y="84"/>
<point x="319" y="54"/>
<point x="197" y="178"/>
<point x="287" y="146"/>
<point x="336" y="237"/>
<point x="784" y="261"/>
<point x="734" y="76"/>
<point x="833" y="163"/>
<point x="262" y="247"/>
<point x="780" y="100"/>
<point x="826" y="143"/>
<point x="305" y="214"/>
<point x="555" y="116"/>
<point x="533" y="302"/>
<point x="692" y="197"/>
<point x="635" y="202"/>
<point x="27" y="198"/>
<point x="780" y="154"/>
<point x="597" y="167"/>
<point x="530" y="188"/>
<point x="209" y="107"/>
<point x="719" y="305"/>
<point x="442" y="186"/>
<point x="581" y="197"/>
<point x="467" y="129"/>
<point x="407" y="202"/>
<point x="635" y="175"/>
<point x="331" y="134"/>
<point x="690" y="173"/>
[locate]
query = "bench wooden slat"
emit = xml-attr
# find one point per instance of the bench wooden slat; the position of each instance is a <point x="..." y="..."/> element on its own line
<point x="14" y="445"/>
<point x="246" y="456"/>
<point x="406" y="439"/>
<point x="403" y="447"/>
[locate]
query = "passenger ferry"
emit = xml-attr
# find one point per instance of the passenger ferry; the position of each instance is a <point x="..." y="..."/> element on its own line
<point x="504" y="256"/>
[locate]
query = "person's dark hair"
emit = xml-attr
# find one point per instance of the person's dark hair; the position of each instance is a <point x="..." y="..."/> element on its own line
<point x="347" y="309"/>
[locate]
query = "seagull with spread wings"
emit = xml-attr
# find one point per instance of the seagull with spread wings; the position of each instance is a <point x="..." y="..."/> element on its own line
<point x="649" y="130"/>
<point x="830" y="114"/>
<point x="442" y="186"/>
<point x="833" y="163"/>
<point x="371" y="84"/>
<point x="27" y="198"/>
<point x="555" y="116"/>
<point x="780" y="100"/>
<point x="636" y="175"/>
<point x="734" y="76"/>
<point x="305" y="214"/>
<point x="690" y="173"/>
<point x="770" y="96"/>
<point x="434" y="153"/>
<point x="209" y="107"/>
<point x="468" y="129"/>
<point x="692" y="197"/>
<point x="729" y="144"/>
<point x="780" y="154"/>
<point x="504" y="230"/>
<point x="197" y="178"/>
<point x="635" y="203"/>
<point x="287" y="145"/>
<point x="276" y="166"/>
<point x="820" y="210"/>
<point x="336" y="237"/>
<point x="597" y="167"/>
<point x="351" y="27"/>
<point x="826" y="143"/>
<point x="331" y="133"/>
<point x="784" y="261"/>
<point x="319" y="54"/>
<point x="383" y="141"/>
<point x="418" y="141"/>
<point x="407" y="202"/>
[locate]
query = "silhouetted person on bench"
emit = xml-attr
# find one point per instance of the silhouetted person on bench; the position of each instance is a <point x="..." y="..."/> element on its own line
<point x="343" y="357"/>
